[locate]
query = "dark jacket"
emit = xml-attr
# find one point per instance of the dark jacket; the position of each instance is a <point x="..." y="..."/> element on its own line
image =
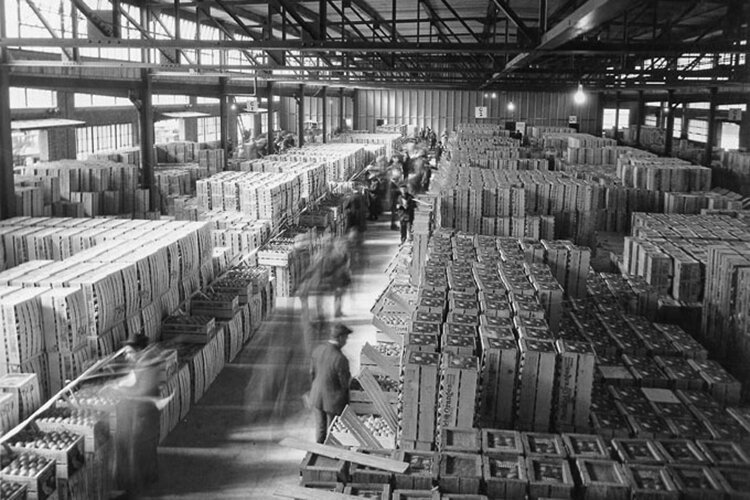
<point x="331" y="378"/>
<point x="405" y="205"/>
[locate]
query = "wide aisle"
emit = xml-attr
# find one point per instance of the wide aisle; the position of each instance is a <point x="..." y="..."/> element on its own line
<point x="227" y="445"/>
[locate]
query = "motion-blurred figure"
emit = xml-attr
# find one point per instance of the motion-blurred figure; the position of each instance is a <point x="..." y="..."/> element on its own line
<point x="329" y="273"/>
<point x="138" y="421"/>
<point x="374" y="194"/>
<point x="330" y="380"/>
<point x="395" y="177"/>
<point x="405" y="205"/>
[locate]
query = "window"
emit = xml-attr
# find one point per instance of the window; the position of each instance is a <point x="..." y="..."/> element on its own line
<point x="22" y="98"/>
<point x="730" y="136"/>
<point x="207" y="100"/>
<point x="699" y="105"/>
<point x="97" y="139"/>
<point x="677" y="130"/>
<point x="650" y="121"/>
<point x="169" y="131"/>
<point x="209" y="129"/>
<point x="697" y="130"/>
<point x="608" y="119"/>
<point x="727" y="107"/>
<point x="95" y="100"/>
<point x="168" y="99"/>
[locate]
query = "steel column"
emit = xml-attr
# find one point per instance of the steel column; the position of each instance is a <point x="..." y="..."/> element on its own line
<point x="269" y="95"/>
<point x="223" y="114"/>
<point x="711" y="133"/>
<point x="542" y="16"/>
<point x="617" y="113"/>
<point x="342" y="122"/>
<point x="641" y="116"/>
<point x="670" y="124"/>
<point x="301" y="117"/>
<point x="355" y="110"/>
<point x="7" y="187"/>
<point x="325" y="114"/>
<point x="147" y="138"/>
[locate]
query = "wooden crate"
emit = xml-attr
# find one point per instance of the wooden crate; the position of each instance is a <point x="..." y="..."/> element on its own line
<point x="575" y="380"/>
<point x="219" y="306"/>
<point x="458" y="388"/>
<point x="91" y="425"/>
<point x="537" y="444"/>
<point x="363" y="475"/>
<point x="736" y="482"/>
<point x="67" y="460"/>
<point x="549" y="478"/>
<point x="372" y="491"/>
<point x="638" y="451"/>
<point x="13" y="491"/>
<point x="195" y="328"/>
<point x="537" y="380"/>
<point x="423" y="469"/>
<point x="681" y="451"/>
<point x="419" y="396"/>
<point x="317" y="468"/>
<point x="501" y="442"/>
<point x="460" y="440"/>
<point x="500" y="363"/>
<point x="696" y="482"/>
<point x="39" y="486"/>
<point x="589" y="446"/>
<point x="724" y="453"/>
<point x="651" y="482"/>
<point x="460" y="472"/>
<point x="505" y="477"/>
<point x="403" y="494"/>
<point x="602" y="479"/>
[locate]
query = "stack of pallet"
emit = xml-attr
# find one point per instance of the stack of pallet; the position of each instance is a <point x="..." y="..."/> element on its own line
<point x="671" y="251"/>
<point x="696" y="201"/>
<point x="99" y="187"/>
<point x="662" y="174"/>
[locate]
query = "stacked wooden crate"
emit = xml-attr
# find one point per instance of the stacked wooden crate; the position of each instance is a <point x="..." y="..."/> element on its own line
<point x="663" y="174"/>
<point x="420" y="379"/>
<point x="98" y="187"/>
<point x="390" y="142"/>
<point x="696" y="201"/>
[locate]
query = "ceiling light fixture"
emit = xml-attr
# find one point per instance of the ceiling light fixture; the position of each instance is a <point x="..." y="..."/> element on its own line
<point x="494" y="95"/>
<point x="511" y="106"/>
<point x="579" y="96"/>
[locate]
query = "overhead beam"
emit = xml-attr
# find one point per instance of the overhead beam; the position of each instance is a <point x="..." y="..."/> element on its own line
<point x="515" y="19"/>
<point x="97" y="21"/>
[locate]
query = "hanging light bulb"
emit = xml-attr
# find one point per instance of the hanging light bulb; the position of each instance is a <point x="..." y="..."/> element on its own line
<point x="579" y="96"/>
<point x="494" y="95"/>
<point x="486" y="95"/>
<point x="511" y="106"/>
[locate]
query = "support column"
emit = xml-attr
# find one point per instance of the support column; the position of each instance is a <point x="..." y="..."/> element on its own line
<point x="670" y="124"/>
<point x="191" y="124"/>
<point x="301" y="117"/>
<point x="745" y="127"/>
<point x="7" y="188"/>
<point x="355" y="109"/>
<point x="325" y="114"/>
<point x="641" y="117"/>
<point x="342" y="121"/>
<point x="684" y="122"/>
<point x="711" y="133"/>
<point x="223" y="114"/>
<point x="617" y="113"/>
<point x="147" y="138"/>
<point x="271" y="125"/>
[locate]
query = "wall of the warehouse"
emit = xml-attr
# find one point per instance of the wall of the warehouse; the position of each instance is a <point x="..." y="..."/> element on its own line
<point x="313" y="112"/>
<point x="445" y="109"/>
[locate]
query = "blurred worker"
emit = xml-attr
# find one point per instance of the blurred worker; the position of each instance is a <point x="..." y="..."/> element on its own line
<point x="374" y="194"/>
<point x="438" y="152"/>
<point x="330" y="380"/>
<point x="405" y="205"/>
<point x="329" y="273"/>
<point x="395" y="177"/>
<point x="138" y="420"/>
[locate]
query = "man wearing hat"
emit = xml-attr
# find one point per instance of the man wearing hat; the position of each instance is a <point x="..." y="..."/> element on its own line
<point x="331" y="377"/>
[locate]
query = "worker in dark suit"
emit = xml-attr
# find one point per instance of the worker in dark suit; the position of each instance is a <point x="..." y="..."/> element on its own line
<point x="331" y="377"/>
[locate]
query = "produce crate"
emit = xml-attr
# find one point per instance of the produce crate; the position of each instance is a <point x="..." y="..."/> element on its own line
<point x="458" y="388"/>
<point x="402" y="494"/>
<point x="460" y="472"/>
<point x="549" y="478"/>
<point x="589" y="446"/>
<point x="651" y="482"/>
<point x="736" y="482"/>
<point x="92" y="425"/>
<point x="25" y="391"/>
<point x="419" y="397"/>
<point x="216" y="305"/>
<point x="195" y="328"/>
<point x="423" y="470"/>
<point x="575" y="380"/>
<point x="460" y="440"/>
<point x="696" y="482"/>
<point x="12" y="491"/>
<point x="363" y="475"/>
<point x="317" y="468"/>
<point x="543" y="445"/>
<point x="724" y="453"/>
<point x="602" y="479"/>
<point x="372" y="491"/>
<point x="68" y="456"/>
<point x="38" y="475"/>
<point x="501" y="442"/>
<point x="536" y="386"/>
<point x="681" y="451"/>
<point x="638" y="451"/>
<point x="499" y="365"/>
<point x="505" y="477"/>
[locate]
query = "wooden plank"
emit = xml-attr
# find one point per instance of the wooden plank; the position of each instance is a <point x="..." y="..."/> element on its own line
<point x="383" y="363"/>
<point x="351" y="456"/>
<point x="299" y="492"/>
<point x="379" y="399"/>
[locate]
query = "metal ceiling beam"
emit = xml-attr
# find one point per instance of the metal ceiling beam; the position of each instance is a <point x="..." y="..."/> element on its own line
<point x="97" y="21"/>
<point x="515" y="19"/>
<point x="374" y="14"/>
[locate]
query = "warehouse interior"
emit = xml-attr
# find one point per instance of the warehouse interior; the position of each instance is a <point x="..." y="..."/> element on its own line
<point x="550" y="297"/>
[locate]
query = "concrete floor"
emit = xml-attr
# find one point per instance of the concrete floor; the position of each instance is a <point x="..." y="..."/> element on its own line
<point x="227" y="445"/>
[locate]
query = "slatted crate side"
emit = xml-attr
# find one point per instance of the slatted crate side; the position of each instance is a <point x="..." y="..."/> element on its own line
<point x="536" y="384"/>
<point x="549" y="478"/>
<point x="696" y="482"/>
<point x="460" y="472"/>
<point x="651" y="482"/>
<point x="423" y="470"/>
